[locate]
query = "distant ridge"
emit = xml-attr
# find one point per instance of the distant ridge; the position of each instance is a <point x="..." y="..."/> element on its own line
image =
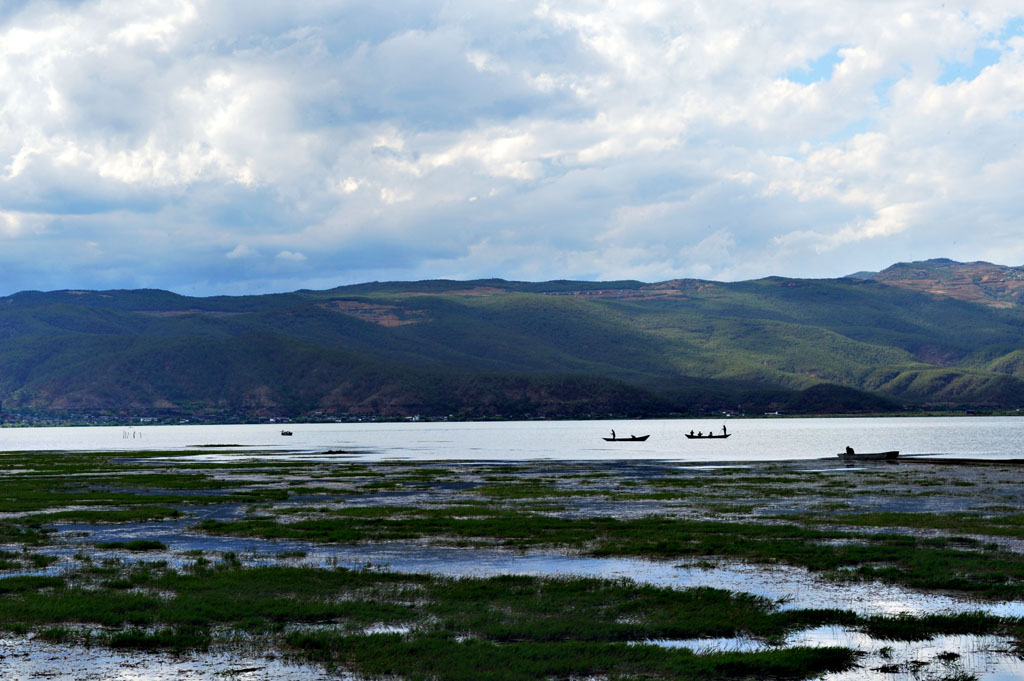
<point x="936" y="334"/>
<point x="976" y="282"/>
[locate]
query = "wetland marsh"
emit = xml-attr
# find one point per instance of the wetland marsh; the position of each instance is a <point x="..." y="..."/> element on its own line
<point x="259" y="566"/>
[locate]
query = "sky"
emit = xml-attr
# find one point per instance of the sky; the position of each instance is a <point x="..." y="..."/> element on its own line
<point x="234" y="147"/>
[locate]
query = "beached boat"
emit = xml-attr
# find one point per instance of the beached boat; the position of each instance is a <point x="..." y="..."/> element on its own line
<point x="850" y="455"/>
<point x="631" y="438"/>
<point x="707" y="436"/>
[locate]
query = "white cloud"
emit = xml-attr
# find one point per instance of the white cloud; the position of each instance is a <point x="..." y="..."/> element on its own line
<point x="10" y="224"/>
<point x="291" y="256"/>
<point x="160" y="27"/>
<point x="888" y="221"/>
<point x="241" y="251"/>
<point x="567" y="139"/>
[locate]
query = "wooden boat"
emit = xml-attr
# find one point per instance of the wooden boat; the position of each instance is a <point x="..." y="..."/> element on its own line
<point x="868" y="456"/>
<point x="631" y="438"/>
<point x="708" y="436"/>
<point x="286" y="432"/>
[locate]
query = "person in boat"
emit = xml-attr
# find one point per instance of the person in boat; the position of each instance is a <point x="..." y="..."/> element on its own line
<point x="613" y="433"/>
<point x="691" y="433"/>
<point x="700" y="434"/>
<point x="723" y="431"/>
<point x="849" y="450"/>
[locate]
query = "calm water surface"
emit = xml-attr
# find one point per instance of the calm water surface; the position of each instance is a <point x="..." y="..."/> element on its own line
<point x="751" y="439"/>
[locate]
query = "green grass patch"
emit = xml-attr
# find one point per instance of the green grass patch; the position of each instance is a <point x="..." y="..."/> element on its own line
<point x="171" y="638"/>
<point x="1010" y="525"/>
<point x="130" y="515"/>
<point x="56" y="634"/>
<point x="28" y="583"/>
<point x="420" y="658"/>
<point x="908" y="628"/>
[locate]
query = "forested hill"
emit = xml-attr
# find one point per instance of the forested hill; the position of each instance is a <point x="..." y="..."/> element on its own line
<point x="493" y="348"/>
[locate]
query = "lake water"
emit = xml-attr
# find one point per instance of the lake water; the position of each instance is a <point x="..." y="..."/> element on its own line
<point x="751" y="440"/>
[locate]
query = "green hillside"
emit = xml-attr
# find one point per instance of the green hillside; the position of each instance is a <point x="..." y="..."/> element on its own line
<point x="492" y="348"/>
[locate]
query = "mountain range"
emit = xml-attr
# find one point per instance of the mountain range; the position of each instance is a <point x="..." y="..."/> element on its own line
<point x="936" y="334"/>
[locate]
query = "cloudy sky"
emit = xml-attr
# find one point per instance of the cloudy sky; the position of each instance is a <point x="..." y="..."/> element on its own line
<point x="229" y="146"/>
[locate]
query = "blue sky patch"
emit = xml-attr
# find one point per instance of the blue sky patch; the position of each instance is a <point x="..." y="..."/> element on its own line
<point x="982" y="57"/>
<point x="816" y="70"/>
<point x="881" y="90"/>
<point x="1012" y="29"/>
<point x="968" y="71"/>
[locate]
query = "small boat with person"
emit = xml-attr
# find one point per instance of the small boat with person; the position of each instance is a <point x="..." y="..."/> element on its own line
<point x="631" y="438"/>
<point x="850" y="455"/>
<point x="707" y="436"/>
<point x="286" y="432"/>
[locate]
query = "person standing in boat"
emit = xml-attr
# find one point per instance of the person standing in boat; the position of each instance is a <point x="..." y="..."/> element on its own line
<point x="723" y="431"/>
<point x="613" y="433"/>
